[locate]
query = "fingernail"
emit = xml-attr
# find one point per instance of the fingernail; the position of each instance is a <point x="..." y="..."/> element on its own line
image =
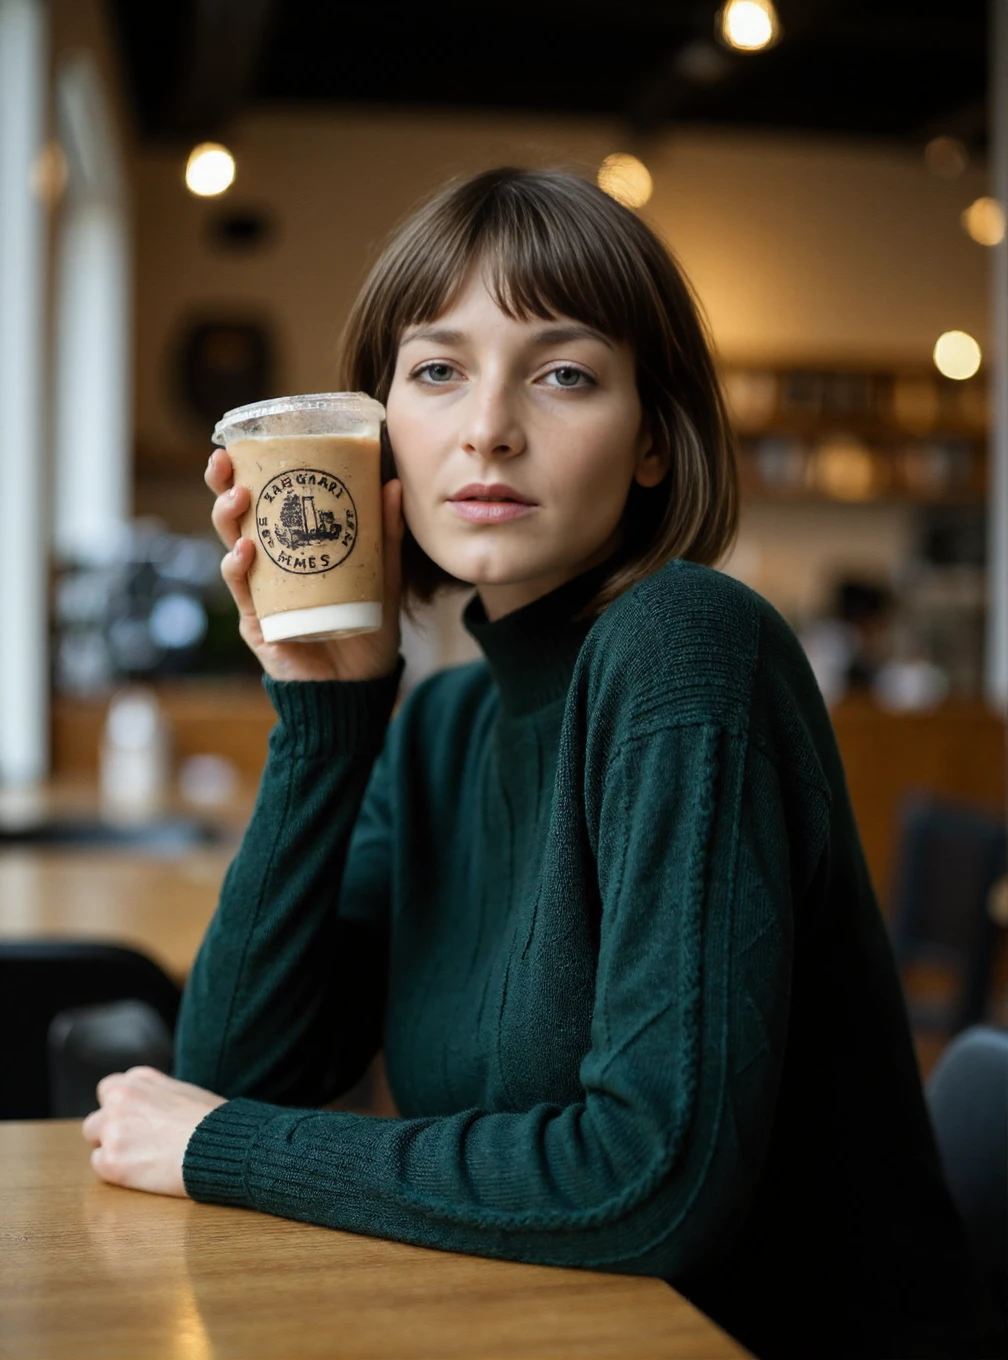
<point x="232" y="493"/>
<point x="237" y="548"/>
<point x="209" y="461"/>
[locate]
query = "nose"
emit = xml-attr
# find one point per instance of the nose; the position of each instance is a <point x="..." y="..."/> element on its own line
<point x="491" y="426"/>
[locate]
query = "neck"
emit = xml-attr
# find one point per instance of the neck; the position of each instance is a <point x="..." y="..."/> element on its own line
<point x="531" y="651"/>
<point x="507" y="596"/>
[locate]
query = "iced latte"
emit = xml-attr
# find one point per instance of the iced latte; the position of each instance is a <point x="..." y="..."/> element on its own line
<point x="312" y="468"/>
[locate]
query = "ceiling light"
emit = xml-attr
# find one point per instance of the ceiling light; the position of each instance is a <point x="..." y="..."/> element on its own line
<point x="210" y="169"/>
<point x="957" y="355"/>
<point x="748" y="25"/>
<point x="984" y="220"/>
<point x="626" y="179"/>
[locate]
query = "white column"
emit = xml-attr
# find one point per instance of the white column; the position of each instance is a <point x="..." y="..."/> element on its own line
<point x="92" y="482"/>
<point x="92" y="445"/>
<point x="24" y="686"/>
<point x="997" y="532"/>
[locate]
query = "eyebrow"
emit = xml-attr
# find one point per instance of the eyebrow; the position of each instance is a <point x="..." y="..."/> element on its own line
<point x="552" y="335"/>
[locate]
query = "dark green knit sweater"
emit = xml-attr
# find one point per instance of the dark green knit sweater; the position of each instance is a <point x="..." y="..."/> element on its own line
<point x="601" y="901"/>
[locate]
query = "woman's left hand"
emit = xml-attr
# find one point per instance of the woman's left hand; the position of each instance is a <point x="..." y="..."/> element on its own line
<point x="140" y="1133"/>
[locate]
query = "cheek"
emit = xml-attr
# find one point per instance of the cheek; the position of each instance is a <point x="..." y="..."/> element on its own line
<point x="595" y="476"/>
<point x="414" y="442"/>
<point x="415" y="447"/>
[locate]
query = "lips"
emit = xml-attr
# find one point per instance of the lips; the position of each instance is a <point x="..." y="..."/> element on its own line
<point x="496" y="491"/>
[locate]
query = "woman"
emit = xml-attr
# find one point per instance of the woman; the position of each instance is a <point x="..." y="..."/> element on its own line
<point x="600" y="899"/>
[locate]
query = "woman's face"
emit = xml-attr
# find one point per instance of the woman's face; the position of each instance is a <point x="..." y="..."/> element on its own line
<point x="545" y="411"/>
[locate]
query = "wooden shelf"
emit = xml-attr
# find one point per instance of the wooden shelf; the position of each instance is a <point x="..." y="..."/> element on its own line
<point x="871" y="431"/>
<point x="854" y="435"/>
<point x="804" y="498"/>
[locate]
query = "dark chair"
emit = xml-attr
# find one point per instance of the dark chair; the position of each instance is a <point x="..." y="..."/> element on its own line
<point x="967" y="1095"/>
<point x="39" y="979"/>
<point x="167" y="836"/>
<point x="86" y="1043"/>
<point x="949" y="858"/>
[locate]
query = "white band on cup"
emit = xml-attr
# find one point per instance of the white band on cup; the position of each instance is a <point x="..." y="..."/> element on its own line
<point x="323" y="621"/>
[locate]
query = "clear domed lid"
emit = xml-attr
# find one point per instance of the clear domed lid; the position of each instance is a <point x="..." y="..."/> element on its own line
<point x="318" y="413"/>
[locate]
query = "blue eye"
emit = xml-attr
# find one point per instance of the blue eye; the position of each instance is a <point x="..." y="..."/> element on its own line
<point x="435" y="373"/>
<point x="568" y="376"/>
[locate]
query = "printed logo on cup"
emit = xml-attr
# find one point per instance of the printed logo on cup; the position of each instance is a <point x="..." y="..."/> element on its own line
<point x="306" y="520"/>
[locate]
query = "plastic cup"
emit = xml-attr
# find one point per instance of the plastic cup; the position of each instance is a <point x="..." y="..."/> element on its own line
<point x="312" y="466"/>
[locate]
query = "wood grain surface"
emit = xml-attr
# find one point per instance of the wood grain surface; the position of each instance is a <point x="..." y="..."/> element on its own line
<point x="91" y="1272"/>
<point x="161" y="906"/>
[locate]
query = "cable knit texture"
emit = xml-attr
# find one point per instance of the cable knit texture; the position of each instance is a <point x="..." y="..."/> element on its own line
<point x="601" y="900"/>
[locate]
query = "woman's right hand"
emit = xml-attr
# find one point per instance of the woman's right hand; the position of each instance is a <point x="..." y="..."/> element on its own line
<point x="364" y="657"/>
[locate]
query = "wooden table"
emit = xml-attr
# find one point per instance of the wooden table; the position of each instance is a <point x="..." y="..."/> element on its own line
<point x="91" y="1272"/>
<point x="160" y="906"/>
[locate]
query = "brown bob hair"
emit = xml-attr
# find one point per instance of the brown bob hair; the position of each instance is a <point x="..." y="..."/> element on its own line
<point x="550" y="244"/>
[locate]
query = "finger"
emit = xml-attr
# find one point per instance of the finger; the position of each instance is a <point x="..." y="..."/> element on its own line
<point x="101" y="1166"/>
<point x="219" y="471"/>
<point x="91" y="1128"/>
<point x="394" y="528"/>
<point x="234" y="569"/>
<point x="107" y="1086"/>
<point x="146" y="1074"/>
<point x="227" y="511"/>
<point x="392" y="510"/>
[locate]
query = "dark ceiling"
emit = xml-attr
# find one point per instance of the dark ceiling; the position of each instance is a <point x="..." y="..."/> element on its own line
<point x="891" y="69"/>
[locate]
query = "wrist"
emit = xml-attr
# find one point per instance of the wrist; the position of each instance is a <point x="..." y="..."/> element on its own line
<point x="323" y="717"/>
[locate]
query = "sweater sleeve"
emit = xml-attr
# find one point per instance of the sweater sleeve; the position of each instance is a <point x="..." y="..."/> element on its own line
<point x="651" y="1169"/>
<point x="286" y="997"/>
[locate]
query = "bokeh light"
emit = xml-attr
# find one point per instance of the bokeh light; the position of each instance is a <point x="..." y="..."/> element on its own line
<point x="626" y="178"/>
<point x="749" y="25"/>
<point x="844" y="469"/>
<point x="946" y="157"/>
<point x="49" y="174"/>
<point x="984" y="220"/>
<point x="210" y="169"/>
<point x="957" y="355"/>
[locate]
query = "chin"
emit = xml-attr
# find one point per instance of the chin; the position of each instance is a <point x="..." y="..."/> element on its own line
<point x="505" y="571"/>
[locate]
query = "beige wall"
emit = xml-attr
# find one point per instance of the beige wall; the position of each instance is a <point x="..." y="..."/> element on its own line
<point x="799" y="249"/>
<point x="812" y="250"/>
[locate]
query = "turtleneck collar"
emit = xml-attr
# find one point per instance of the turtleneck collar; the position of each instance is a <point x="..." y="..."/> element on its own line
<point x="531" y="651"/>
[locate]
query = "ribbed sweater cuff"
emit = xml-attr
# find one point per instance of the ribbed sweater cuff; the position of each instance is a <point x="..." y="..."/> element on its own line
<point x="214" y="1166"/>
<point x="326" y="717"/>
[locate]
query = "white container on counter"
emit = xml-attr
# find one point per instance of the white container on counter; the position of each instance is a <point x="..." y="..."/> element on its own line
<point x="135" y="758"/>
